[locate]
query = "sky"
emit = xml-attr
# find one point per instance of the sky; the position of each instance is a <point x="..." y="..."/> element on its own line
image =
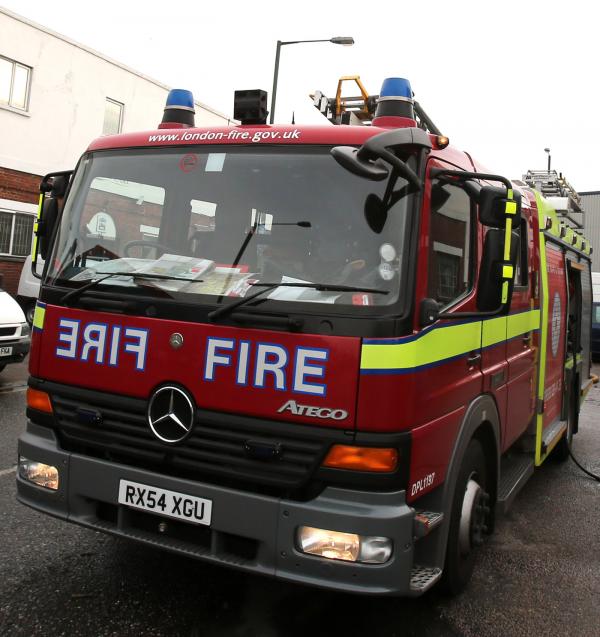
<point x="502" y="80"/>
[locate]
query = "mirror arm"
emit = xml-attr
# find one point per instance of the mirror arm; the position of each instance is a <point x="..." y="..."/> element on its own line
<point x="461" y="315"/>
<point x="465" y="174"/>
<point x="397" y="164"/>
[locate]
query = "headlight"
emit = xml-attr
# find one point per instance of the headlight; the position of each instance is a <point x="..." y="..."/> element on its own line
<point x="349" y="547"/>
<point x="25" y="329"/>
<point x="44" y="475"/>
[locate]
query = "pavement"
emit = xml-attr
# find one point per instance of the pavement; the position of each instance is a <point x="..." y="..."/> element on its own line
<point x="539" y="574"/>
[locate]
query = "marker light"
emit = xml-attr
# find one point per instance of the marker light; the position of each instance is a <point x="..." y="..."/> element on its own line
<point x="396" y="87"/>
<point x="441" y="141"/>
<point x="39" y="400"/>
<point x="349" y="547"/>
<point x="44" y="475"/>
<point x="375" y="459"/>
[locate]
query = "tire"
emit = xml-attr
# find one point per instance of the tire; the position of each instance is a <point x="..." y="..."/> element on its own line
<point x="471" y="496"/>
<point x="29" y="311"/>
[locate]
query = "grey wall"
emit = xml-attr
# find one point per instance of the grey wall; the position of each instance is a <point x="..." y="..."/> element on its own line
<point x="591" y="206"/>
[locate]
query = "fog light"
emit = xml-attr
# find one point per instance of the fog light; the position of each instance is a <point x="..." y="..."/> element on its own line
<point x="349" y="547"/>
<point x="44" y="475"/>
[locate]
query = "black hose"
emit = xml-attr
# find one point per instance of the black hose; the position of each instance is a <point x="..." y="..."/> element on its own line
<point x="589" y="473"/>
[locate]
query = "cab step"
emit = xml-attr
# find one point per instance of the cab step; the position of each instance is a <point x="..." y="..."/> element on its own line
<point x="515" y="470"/>
<point x="425" y="522"/>
<point x="422" y="578"/>
<point x="552" y="434"/>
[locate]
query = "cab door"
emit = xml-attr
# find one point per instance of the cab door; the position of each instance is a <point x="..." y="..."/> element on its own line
<point x="450" y="225"/>
<point x="522" y="322"/>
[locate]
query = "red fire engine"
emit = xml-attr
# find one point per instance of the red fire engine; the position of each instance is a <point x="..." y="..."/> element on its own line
<point x="327" y="354"/>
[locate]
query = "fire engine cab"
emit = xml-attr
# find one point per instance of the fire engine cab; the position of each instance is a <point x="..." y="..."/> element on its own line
<point x="327" y="354"/>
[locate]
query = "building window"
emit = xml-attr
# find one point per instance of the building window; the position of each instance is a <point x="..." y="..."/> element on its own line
<point x="14" y="83"/>
<point x="113" y="117"/>
<point x="15" y="233"/>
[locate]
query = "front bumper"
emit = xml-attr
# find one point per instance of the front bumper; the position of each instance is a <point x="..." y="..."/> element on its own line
<point x="250" y="532"/>
<point x="20" y="349"/>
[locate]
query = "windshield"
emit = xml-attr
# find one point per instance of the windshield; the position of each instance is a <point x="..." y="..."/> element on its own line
<point x="214" y="222"/>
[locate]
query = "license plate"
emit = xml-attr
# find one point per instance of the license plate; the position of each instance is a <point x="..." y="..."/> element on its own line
<point x="169" y="503"/>
<point x="5" y="351"/>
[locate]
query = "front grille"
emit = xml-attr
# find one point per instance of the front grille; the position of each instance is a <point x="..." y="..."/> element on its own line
<point x="214" y="451"/>
<point x="8" y="331"/>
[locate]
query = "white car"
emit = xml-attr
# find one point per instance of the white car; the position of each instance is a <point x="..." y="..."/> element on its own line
<point x="29" y="288"/>
<point x="15" y="333"/>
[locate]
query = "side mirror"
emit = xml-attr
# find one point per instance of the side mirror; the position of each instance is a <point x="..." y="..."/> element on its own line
<point x="46" y="225"/>
<point x="491" y="293"/>
<point x="493" y="207"/>
<point x="49" y="208"/>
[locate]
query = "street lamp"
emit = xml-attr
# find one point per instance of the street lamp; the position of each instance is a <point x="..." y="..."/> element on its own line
<point x="338" y="40"/>
<point x="547" y="150"/>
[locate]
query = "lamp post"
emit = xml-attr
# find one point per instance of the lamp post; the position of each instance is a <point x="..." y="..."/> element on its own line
<point x="547" y="150"/>
<point x="338" y="40"/>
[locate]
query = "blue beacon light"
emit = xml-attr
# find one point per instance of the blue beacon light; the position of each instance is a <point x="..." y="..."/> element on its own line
<point x="396" y="87"/>
<point x="395" y="100"/>
<point x="180" y="98"/>
<point x="179" y="109"/>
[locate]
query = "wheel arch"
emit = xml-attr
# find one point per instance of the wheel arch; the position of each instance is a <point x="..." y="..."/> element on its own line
<point x="481" y="421"/>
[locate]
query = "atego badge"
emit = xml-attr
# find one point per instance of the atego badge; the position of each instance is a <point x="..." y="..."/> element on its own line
<point x="314" y="412"/>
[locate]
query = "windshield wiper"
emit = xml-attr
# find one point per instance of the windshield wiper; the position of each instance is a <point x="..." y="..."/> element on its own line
<point x="267" y="287"/>
<point x="77" y="292"/>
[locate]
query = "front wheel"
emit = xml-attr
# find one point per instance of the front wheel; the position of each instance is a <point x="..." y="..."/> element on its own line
<point x="29" y="312"/>
<point x="468" y="520"/>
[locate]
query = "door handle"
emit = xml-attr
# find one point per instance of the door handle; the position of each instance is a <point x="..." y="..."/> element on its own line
<point x="473" y="359"/>
<point x="527" y="339"/>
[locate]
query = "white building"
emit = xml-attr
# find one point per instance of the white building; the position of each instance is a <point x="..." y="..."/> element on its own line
<point x="56" y="96"/>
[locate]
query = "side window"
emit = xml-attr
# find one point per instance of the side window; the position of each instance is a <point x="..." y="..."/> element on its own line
<point x="522" y="270"/>
<point x="450" y="243"/>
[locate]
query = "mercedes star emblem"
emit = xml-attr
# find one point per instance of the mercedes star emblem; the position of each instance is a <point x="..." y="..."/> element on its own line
<point x="176" y="340"/>
<point x="171" y="414"/>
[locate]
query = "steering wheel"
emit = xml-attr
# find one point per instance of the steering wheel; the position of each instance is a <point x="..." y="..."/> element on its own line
<point x="143" y="243"/>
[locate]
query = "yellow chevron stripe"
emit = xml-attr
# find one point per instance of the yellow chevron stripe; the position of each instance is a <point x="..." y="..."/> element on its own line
<point x="445" y="342"/>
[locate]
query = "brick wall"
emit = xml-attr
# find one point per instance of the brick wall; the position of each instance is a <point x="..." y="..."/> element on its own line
<point x="10" y="272"/>
<point x="19" y="186"/>
<point x="16" y="186"/>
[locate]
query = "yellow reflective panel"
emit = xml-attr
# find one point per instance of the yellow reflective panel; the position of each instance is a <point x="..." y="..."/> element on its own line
<point x="522" y="323"/>
<point x="39" y="316"/>
<point x="431" y="347"/>
<point x="493" y="331"/>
